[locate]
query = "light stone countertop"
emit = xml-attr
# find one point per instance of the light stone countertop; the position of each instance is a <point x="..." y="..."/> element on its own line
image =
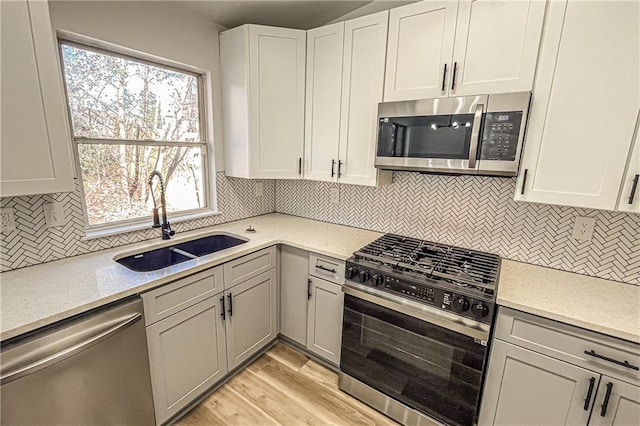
<point x="42" y="294"/>
<point x="39" y="295"/>
<point x="596" y="304"/>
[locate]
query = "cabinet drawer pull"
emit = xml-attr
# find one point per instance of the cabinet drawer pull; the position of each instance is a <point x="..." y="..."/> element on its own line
<point x="333" y="164"/>
<point x="524" y="181"/>
<point x="230" y="296"/>
<point x="444" y="77"/>
<point x="453" y="76"/>
<point x="222" y="314"/>
<point x="587" y="400"/>
<point x="300" y="166"/>
<point x="605" y="403"/>
<point x="309" y="289"/>
<point x="615" y="361"/>
<point x="339" y="168"/>
<point x="333" y="271"/>
<point x="633" y="189"/>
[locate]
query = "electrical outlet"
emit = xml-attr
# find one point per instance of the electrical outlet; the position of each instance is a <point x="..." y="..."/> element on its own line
<point x="7" y="219"/>
<point x="334" y="195"/>
<point x="583" y="228"/>
<point x="259" y="189"/>
<point x="54" y="214"/>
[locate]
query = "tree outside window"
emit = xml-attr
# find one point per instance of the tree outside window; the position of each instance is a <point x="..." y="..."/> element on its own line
<point x="130" y="117"/>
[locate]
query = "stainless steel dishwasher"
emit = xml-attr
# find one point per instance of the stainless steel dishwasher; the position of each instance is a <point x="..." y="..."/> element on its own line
<point x="93" y="369"/>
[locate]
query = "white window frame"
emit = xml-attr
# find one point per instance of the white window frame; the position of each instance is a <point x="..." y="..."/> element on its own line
<point x="206" y="137"/>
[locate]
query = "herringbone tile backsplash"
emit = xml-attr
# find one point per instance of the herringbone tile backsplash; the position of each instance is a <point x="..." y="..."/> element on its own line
<point x="477" y="213"/>
<point x="468" y="211"/>
<point x="32" y="242"/>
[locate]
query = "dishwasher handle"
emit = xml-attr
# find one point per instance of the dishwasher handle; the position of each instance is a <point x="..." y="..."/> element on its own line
<point x="65" y="353"/>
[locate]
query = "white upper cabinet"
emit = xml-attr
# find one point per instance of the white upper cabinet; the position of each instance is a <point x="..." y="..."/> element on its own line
<point x="419" y="50"/>
<point x="263" y="92"/>
<point x="496" y="46"/>
<point x="630" y="189"/>
<point x="35" y="140"/>
<point x="585" y="104"/>
<point x="365" y="45"/>
<point x="325" y="46"/>
<point x="448" y="48"/>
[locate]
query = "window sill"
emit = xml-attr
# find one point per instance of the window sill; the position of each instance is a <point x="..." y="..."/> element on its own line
<point x="92" y="234"/>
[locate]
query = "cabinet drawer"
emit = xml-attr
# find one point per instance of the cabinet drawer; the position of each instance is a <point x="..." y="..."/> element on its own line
<point x="570" y="344"/>
<point x="178" y="295"/>
<point x="249" y="266"/>
<point x="327" y="268"/>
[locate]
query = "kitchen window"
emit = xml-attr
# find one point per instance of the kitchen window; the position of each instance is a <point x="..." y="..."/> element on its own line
<point x="130" y="117"/>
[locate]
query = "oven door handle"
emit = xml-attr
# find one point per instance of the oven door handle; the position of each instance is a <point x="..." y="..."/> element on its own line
<point x="475" y="136"/>
<point x="424" y="313"/>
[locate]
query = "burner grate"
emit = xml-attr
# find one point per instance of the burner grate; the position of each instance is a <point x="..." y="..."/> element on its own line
<point x="459" y="266"/>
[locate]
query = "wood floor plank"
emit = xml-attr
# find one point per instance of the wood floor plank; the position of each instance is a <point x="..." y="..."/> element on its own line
<point x="200" y="415"/>
<point x="288" y="356"/>
<point x="232" y="409"/>
<point x="283" y="387"/>
<point x="273" y="401"/>
<point x="338" y="407"/>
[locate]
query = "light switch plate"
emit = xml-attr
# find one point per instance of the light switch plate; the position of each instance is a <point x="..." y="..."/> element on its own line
<point x="54" y="214"/>
<point x="334" y="195"/>
<point x="259" y="189"/>
<point x="583" y="228"/>
<point x="7" y="219"/>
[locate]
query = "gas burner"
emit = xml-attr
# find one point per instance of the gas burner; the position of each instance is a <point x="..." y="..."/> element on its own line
<point x="462" y="268"/>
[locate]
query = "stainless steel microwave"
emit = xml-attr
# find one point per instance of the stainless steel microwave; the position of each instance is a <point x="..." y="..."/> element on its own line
<point x="480" y="135"/>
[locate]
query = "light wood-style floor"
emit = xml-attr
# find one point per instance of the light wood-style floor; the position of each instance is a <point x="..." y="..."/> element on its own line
<point x="283" y="387"/>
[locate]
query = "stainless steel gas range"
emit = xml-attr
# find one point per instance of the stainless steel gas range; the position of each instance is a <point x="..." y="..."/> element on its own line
<point x="417" y="319"/>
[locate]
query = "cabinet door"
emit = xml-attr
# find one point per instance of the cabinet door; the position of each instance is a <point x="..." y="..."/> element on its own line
<point x="324" y="322"/>
<point x="276" y="88"/>
<point x="251" y="317"/>
<point x="294" y="292"/>
<point x="35" y="156"/>
<point x="325" y="47"/>
<point x="365" y="46"/>
<point x="524" y="387"/>
<point x="630" y="189"/>
<point x="420" y="47"/>
<point x="496" y="47"/>
<point x="583" y="116"/>
<point x="621" y="408"/>
<point x="187" y="356"/>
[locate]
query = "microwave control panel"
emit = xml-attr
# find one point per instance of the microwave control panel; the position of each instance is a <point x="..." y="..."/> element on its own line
<point x="501" y="134"/>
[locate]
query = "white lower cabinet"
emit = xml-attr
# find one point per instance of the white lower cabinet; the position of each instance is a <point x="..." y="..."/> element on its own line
<point x="187" y="355"/>
<point x="294" y="293"/>
<point x="546" y="373"/>
<point x="324" y="319"/>
<point x="251" y="317"/>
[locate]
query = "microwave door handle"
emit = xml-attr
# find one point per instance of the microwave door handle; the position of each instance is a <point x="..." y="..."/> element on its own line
<point x="475" y="136"/>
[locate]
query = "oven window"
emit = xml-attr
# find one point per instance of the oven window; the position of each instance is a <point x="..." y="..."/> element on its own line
<point x="437" y="136"/>
<point x="427" y="367"/>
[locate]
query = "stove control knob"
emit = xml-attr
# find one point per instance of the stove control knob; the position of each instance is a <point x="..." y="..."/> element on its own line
<point x="351" y="272"/>
<point x="363" y="276"/>
<point x="377" y="279"/>
<point x="479" y="310"/>
<point x="460" y="305"/>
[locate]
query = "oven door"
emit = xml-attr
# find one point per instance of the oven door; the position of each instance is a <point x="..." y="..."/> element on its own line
<point x="430" y="368"/>
<point x="439" y="135"/>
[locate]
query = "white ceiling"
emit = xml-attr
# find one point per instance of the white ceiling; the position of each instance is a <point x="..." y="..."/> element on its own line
<point x="302" y="14"/>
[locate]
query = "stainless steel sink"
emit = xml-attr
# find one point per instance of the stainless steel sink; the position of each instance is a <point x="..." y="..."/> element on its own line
<point x="154" y="260"/>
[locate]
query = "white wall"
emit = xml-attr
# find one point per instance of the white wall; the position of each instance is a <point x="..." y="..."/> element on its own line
<point x="163" y="29"/>
<point x="370" y="8"/>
